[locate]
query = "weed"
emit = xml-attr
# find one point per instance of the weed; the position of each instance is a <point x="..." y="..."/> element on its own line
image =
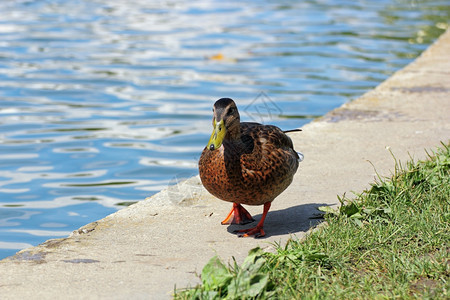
<point x="390" y="241"/>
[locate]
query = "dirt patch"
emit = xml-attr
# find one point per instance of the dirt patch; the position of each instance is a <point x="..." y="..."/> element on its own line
<point x="423" y="284"/>
<point x="38" y="257"/>
<point x="342" y="114"/>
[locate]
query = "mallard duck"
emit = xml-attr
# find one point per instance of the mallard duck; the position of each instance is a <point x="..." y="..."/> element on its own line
<point x="246" y="163"/>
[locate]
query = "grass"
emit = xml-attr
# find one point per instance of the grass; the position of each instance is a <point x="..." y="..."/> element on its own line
<point x="390" y="241"/>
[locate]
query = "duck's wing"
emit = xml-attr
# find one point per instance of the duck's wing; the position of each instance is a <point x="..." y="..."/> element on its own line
<point x="267" y="148"/>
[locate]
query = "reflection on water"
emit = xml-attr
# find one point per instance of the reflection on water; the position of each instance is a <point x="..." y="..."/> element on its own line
<point x="103" y="103"/>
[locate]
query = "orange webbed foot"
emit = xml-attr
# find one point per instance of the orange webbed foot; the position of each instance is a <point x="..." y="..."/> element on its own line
<point x="258" y="230"/>
<point x="238" y="215"/>
<point x="255" y="231"/>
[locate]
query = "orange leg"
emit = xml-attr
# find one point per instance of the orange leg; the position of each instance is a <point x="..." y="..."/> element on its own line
<point x="258" y="230"/>
<point x="238" y="215"/>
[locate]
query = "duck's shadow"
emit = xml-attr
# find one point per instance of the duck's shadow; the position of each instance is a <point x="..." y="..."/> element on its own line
<point x="291" y="220"/>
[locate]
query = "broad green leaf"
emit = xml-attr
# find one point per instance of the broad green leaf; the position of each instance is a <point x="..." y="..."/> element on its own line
<point x="356" y="216"/>
<point x="349" y="209"/>
<point x="357" y="222"/>
<point x="215" y="275"/>
<point x="245" y="285"/>
<point x="258" y="282"/>
<point x="328" y="210"/>
<point x="253" y="262"/>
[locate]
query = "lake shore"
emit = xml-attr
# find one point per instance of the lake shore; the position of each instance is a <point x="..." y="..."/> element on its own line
<point x="147" y="249"/>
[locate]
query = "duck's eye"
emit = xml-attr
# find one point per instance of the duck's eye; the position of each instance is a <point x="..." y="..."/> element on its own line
<point x="231" y="111"/>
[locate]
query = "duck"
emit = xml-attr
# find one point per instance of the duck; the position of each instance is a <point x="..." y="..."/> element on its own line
<point x="246" y="163"/>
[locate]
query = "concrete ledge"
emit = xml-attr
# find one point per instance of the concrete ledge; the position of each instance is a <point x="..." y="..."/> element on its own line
<point x="145" y="250"/>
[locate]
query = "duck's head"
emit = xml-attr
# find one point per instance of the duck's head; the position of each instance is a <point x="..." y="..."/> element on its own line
<point x="226" y="122"/>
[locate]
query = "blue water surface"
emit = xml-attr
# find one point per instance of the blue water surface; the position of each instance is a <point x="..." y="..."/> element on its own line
<point x="104" y="103"/>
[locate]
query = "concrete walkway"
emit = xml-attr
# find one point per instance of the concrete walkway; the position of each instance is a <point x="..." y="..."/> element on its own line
<point x="145" y="250"/>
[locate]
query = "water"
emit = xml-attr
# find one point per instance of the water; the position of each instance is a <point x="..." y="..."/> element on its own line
<point x="104" y="103"/>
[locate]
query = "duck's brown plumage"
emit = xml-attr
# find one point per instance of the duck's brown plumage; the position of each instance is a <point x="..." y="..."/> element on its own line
<point x="253" y="170"/>
<point x="253" y="164"/>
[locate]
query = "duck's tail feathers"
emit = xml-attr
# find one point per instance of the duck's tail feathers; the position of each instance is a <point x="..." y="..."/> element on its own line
<point x="292" y="130"/>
